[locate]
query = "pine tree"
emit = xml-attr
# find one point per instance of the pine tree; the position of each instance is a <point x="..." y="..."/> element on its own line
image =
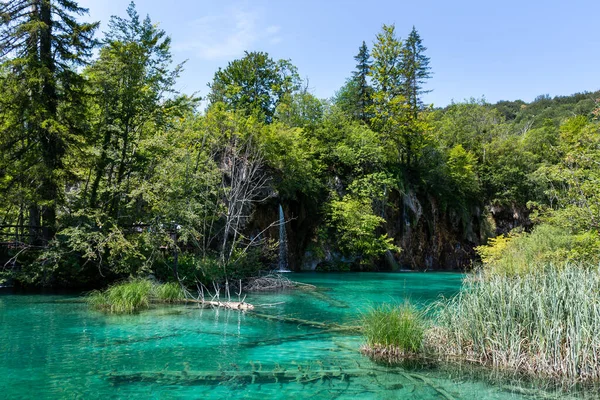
<point x="389" y="109"/>
<point x="41" y="45"/>
<point x="416" y="70"/>
<point x="364" y="91"/>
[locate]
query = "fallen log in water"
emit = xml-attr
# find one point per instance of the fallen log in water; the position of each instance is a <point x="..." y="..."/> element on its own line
<point x="286" y="339"/>
<point x="320" y="295"/>
<point x="536" y="393"/>
<point x="304" y="375"/>
<point x="316" y="324"/>
<point x="119" y="342"/>
<point x="394" y="378"/>
<point x="249" y="307"/>
<point x="440" y="390"/>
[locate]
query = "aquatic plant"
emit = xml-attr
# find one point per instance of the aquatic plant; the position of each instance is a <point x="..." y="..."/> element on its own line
<point x="393" y="329"/>
<point x="168" y="292"/>
<point x="124" y="297"/>
<point x="134" y="295"/>
<point x="544" y="323"/>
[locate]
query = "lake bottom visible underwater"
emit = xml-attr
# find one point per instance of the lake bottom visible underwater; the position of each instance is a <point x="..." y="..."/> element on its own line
<point x="55" y="347"/>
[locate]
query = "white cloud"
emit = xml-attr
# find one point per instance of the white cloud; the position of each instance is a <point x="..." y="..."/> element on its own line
<point x="273" y="29"/>
<point x="226" y="35"/>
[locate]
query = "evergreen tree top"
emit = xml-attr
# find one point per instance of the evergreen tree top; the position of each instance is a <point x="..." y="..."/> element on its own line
<point x="22" y="21"/>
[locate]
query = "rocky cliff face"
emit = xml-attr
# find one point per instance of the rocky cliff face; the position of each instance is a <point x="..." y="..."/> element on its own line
<point x="431" y="237"/>
<point x="434" y="238"/>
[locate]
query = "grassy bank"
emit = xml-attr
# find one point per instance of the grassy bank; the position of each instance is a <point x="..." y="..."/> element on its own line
<point x="134" y="295"/>
<point x="543" y="324"/>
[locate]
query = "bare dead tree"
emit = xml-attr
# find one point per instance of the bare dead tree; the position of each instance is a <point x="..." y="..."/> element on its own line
<point x="527" y="126"/>
<point x="245" y="183"/>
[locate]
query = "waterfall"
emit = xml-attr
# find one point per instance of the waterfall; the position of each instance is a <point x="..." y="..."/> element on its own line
<point x="282" y="243"/>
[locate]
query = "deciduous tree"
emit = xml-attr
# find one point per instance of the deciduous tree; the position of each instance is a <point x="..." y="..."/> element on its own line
<point x="255" y="84"/>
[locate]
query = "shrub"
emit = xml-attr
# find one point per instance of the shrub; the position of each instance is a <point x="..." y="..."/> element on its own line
<point x="206" y="270"/>
<point x="521" y="253"/>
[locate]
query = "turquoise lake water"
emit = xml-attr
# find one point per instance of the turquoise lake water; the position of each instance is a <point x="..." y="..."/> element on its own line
<point x="54" y="348"/>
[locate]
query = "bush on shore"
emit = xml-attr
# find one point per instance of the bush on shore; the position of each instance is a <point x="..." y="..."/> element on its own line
<point x="543" y="324"/>
<point x="522" y="253"/>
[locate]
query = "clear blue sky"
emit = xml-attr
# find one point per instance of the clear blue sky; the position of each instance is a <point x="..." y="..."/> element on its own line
<point x="503" y="50"/>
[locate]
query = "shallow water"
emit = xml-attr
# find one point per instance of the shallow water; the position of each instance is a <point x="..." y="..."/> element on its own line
<point x="55" y="348"/>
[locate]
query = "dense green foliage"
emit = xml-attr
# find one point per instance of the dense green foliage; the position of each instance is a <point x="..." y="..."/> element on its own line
<point x="255" y="84"/>
<point x="522" y="253"/>
<point x="107" y="171"/>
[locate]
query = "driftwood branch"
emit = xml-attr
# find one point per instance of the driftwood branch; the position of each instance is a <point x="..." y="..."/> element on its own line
<point x="230" y="305"/>
<point x="274" y="282"/>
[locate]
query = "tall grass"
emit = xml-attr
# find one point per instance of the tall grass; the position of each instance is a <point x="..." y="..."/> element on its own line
<point x="397" y="328"/>
<point x="168" y="292"/>
<point x="133" y="295"/>
<point x="545" y="323"/>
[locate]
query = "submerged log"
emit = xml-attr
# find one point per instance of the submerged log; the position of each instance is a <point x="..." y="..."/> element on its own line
<point x="298" y="374"/>
<point x="315" y="324"/>
<point x="248" y="377"/>
<point x="536" y="393"/>
<point x="402" y="379"/>
<point x="319" y="295"/>
<point x="440" y="390"/>
<point x="119" y="342"/>
<point x="286" y="339"/>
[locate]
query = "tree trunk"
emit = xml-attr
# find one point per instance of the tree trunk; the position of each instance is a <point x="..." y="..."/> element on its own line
<point x="100" y="167"/>
<point x="52" y="146"/>
<point x="34" y="223"/>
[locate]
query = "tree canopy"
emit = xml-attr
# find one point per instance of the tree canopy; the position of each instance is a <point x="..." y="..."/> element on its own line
<point x="255" y="84"/>
<point x="107" y="171"/>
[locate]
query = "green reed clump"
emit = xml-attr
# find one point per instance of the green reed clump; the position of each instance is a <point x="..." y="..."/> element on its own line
<point x="397" y="327"/>
<point x="544" y="323"/>
<point x="96" y="299"/>
<point x="134" y="295"/>
<point x="169" y="292"/>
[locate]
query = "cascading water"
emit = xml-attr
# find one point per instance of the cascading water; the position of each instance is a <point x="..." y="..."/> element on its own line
<point x="282" y="243"/>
